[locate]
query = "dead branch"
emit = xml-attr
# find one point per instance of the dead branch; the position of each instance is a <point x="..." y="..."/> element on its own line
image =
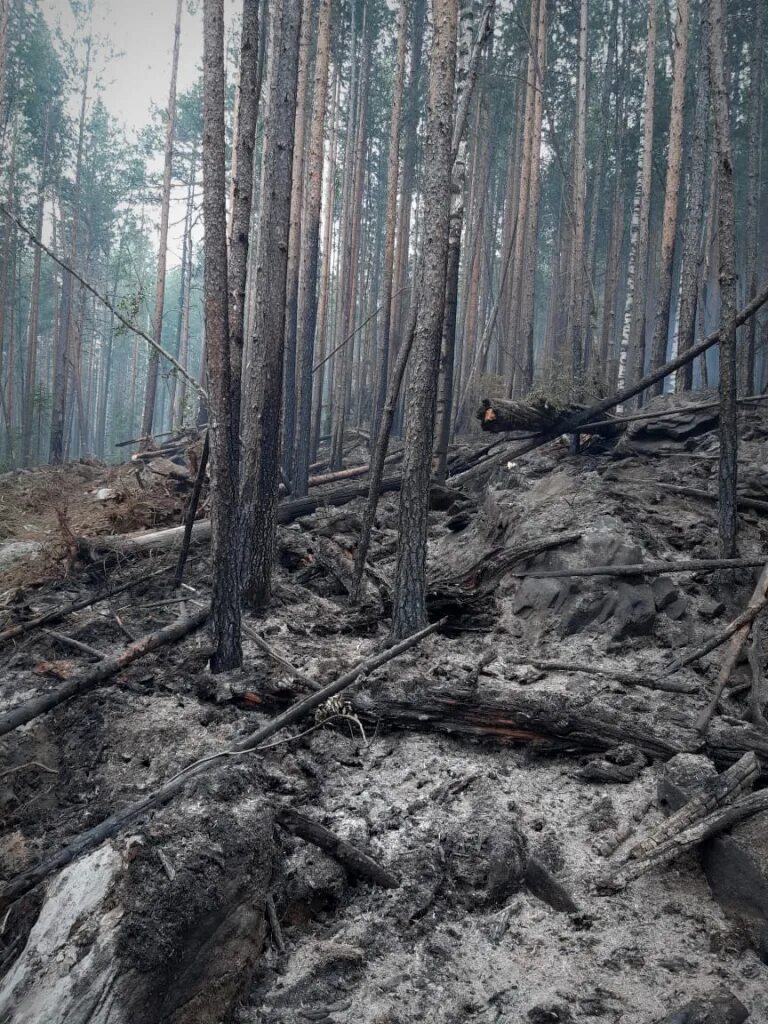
<point x="354" y="860"/>
<point x="99" y="673"/>
<point x="189" y="521"/>
<point x="757" y="688"/>
<point x="694" y="492"/>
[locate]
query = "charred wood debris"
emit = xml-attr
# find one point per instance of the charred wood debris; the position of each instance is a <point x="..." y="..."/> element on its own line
<point x="580" y="617"/>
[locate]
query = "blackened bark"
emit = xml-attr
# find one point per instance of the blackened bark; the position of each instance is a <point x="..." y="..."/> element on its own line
<point x="409" y="605"/>
<point x="225" y="596"/>
<point x="727" y="245"/>
<point x="263" y="385"/>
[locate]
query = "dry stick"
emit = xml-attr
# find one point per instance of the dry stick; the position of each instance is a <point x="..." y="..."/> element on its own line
<point x="189" y="522"/>
<point x="732" y="783"/>
<point x="103" y="300"/>
<point x="66" y="609"/>
<point x="85" y="681"/>
<point x="77" y="645"/>
<point x="645" y="569"/>
<point x="629" y="678"/>
<point x="571" y="424"/>
<point x="23" y="883"/>
<point x="297" y="674"/>
<point x="720" y="820"/>
<point x="356" y="862"/>
<point x="757" y="602"/>
<point x="274" y="924"/>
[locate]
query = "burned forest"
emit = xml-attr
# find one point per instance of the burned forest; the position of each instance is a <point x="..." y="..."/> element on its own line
<point x="383" y="512"/>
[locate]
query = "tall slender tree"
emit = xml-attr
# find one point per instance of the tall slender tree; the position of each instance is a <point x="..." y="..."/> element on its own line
<point x="728" y="464"/>
<point x="409" y="611"/>
<point x="263" y="371"/>
<point x="150" y="394"/>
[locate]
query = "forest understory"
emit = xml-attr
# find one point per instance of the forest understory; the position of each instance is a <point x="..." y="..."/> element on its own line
<point x="491" y="771"/>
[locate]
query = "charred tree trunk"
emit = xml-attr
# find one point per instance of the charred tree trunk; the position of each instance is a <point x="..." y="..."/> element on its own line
<point x="727" y="473"/>
<point x="264" y="367"/>
<point x="409" y="605"/>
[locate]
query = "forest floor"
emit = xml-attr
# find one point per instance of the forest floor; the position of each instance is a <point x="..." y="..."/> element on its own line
<point x="446" y="946"/>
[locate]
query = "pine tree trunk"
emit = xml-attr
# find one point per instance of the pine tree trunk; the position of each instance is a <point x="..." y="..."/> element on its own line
<point x="263" y="379"/>
<point x="577" y="276"/>
<point x="150" y="394"/>
<point x="671" y="192"/>
<point x="726" y="230"/>
<point x="527" y="313"/>
<point x="34" y="317"/>
<point x="393" y="167"/>
<point x="400" y="298"/>
<point x="753" y="188"/>
<point x="295" y="242"/>
<point x="694" y="213"/>
<point x="242" y="192"/>
<point x="320" y="329"/>
<point x="637" y="328"/>
<point x="409" y="611"/>
<point x="225" y="596"/>
<point x="180" y="394"/>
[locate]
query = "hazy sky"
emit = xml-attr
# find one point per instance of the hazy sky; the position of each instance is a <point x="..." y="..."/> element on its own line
<point x="142" y="32"/>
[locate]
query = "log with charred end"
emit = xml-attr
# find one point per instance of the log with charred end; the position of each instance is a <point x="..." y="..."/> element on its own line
<point x="757" y="602"/>
<point x="501" y="416"/>
<point x="144" y="541"/>
<point x="720" y="1008"/>
<point x="349" y="473"/>
<point x="354" y="860"/>
<point x="99" y="673"/>
<point x="645" y="568"/>
<point x="718" y="821"/>
<point x="167" y="791"/>
<point x="733" y="782"/>
<point x="578" y="421"/>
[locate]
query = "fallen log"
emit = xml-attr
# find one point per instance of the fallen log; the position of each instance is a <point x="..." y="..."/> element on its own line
<point x="99" y="673"/>
<point x="720" y="1008"/>
<point x="354" y="860"/>
<point x="141" y="541"/>
<point x="350" y="473"/>
<point x="501" y="416"/>
<point x="645" y="568"/>
<point x="95" y="836"/>
<point x="576" y="422"/>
